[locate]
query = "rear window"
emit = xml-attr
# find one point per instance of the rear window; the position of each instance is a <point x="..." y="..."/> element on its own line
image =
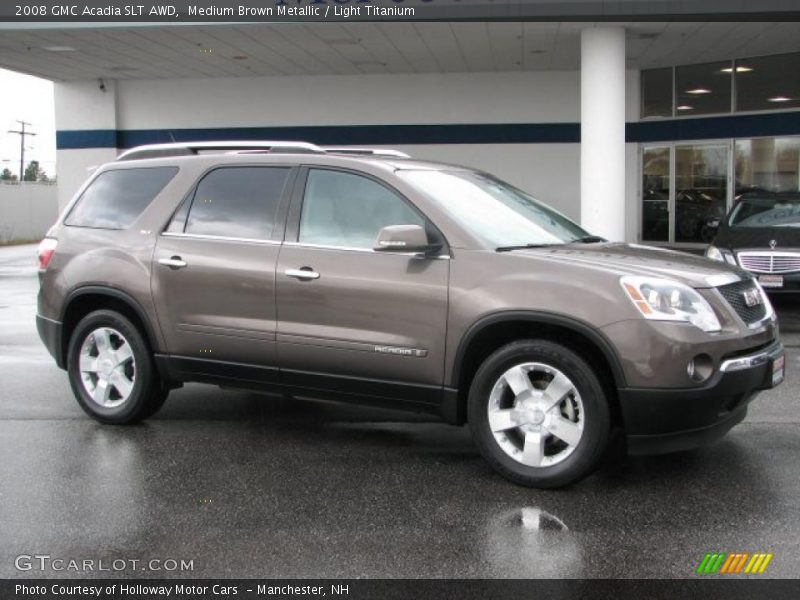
<point x="115" y="199"/>
<point x="766" y="210"/>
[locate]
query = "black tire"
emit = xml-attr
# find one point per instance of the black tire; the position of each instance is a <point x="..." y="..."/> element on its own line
<point x="594" y="440"/>
<point x="147" y="393"/>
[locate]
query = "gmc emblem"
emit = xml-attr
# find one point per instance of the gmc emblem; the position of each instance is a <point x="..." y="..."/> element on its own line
<point x="751" y="297"/>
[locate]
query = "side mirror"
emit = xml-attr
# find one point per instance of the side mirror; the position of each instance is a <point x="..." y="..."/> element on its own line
<point x="403" y="238"/>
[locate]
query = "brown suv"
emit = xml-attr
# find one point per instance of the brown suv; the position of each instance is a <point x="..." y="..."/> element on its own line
<point x="366" y="276"/>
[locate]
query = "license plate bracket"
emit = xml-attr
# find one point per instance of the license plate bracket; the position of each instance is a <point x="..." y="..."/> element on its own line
<point x="778" y="369"/>
<point x="771" y="281"/>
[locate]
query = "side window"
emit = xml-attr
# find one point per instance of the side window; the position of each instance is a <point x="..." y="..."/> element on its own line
<point x="115" y="199"/>
<point x="238" y="202"/>
<point x="342" y="209"/>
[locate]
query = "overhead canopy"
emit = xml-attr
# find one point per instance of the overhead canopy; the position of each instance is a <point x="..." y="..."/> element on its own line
<point x="63" y="52"/>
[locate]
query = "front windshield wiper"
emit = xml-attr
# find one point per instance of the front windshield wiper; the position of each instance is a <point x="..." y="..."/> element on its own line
<point x="524" y="246"/>
<point x="588" y="239"/>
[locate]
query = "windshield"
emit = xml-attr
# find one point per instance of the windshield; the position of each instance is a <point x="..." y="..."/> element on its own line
<point x="776" y="210"/>
<point x="494" y="210"/>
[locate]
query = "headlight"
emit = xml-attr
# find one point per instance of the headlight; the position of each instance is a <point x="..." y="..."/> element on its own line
<point x="667" y="300"/>
<point x="714" y="253"/>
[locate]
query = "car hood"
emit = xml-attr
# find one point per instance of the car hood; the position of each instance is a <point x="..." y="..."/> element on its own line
<point x="758" y="237"/>
<point x="632" y="259"/>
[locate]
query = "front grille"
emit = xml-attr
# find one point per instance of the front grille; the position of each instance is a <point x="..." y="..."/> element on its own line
<point x="734" y="294"/>
<point x="770" y="262"/>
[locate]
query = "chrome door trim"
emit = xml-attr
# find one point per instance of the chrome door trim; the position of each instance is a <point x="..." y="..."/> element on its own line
<point x="223" y="238"/>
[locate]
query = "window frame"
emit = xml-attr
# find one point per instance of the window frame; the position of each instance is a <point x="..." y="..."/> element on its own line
<point x="279" y="224"/>
<point x="292" y="233"/>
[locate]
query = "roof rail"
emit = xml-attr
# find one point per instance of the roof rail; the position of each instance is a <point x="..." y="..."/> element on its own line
<point x="366" y="151"/>
<point x="191" y="148"/>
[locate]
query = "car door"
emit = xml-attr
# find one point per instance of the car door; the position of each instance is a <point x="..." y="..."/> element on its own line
<point x="213" y="275"/>
<point x="351" y="319"/>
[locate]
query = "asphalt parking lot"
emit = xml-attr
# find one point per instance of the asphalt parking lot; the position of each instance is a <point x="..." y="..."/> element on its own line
<point x="251" y="486"/>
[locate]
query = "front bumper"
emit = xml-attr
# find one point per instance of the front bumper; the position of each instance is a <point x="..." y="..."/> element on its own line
<point x="658" y="421"/>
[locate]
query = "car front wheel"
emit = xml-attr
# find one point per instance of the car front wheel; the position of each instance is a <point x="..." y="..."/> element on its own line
<point x="539" y="414"/>
<point x="111" y="369"/>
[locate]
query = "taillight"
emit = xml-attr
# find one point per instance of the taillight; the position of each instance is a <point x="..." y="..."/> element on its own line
<point x="47" y="248"/>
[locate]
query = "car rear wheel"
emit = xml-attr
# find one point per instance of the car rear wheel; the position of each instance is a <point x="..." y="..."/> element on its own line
<point x="539" y="414"/>
<point x="111" y="369"/>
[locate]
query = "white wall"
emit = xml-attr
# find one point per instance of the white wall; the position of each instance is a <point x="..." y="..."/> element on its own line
<point x="549" y="171"/>
<point x="27" y="210"/>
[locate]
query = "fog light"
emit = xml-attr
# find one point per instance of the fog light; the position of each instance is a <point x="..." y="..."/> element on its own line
<point x="700" y="368"/>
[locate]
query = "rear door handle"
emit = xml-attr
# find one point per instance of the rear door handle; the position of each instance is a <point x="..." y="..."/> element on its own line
<point x="306" y="273"/>
<point x="174" y="262"/>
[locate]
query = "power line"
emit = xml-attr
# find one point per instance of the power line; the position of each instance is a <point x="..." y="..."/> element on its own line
<point x="22" y="133"/>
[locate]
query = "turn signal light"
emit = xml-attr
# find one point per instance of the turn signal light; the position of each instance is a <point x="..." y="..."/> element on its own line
<point x="47" y="248"/>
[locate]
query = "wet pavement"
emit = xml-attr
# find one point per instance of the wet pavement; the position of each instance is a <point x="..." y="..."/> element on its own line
<point x="246" y="485"/>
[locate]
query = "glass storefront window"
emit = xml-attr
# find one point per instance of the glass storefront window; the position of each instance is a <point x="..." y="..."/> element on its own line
<point x="768" y="164"/>
<point x="768" y="82"/>
<point x="703" y="89"/>
<point x="655" y="194"/>
<point x="701" y="191"/>
<point x="656" y="93"/>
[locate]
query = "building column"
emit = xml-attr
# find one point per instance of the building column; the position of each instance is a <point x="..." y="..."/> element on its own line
<point x="603" y="131"/>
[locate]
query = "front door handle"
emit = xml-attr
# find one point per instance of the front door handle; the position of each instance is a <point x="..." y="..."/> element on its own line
<point x="174" y="262"/>
<point x="306" y="273"/>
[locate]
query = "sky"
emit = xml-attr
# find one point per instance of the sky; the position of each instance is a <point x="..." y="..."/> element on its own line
<point x="29" y="99"/>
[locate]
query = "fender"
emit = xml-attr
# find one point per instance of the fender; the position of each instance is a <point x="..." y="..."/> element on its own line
<point x="102" y="290"/>
<point x="533" y="316"/>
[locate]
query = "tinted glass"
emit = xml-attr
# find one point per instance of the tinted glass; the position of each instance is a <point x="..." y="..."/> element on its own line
<point x="766" y="210"/>
<point x="239" y="202"/>
<point x="655" y="194"/>
<point x="342" y="209"/>
<point x="494" y="210"/>
<point x="768" y="82"/>
<point x="657" y="93"/>
<point x="115" y="199"/>
<point x="703" y="89"/>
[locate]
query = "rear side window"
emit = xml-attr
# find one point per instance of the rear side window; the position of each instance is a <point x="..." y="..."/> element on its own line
<point x="115" y="199"/>
<point x="237" y="202"/>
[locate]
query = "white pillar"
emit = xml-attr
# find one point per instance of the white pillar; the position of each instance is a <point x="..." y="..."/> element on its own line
<point x="603" y="131"/>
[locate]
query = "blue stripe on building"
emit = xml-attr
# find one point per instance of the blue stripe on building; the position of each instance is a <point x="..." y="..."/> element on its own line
<point x="734" y="126"/>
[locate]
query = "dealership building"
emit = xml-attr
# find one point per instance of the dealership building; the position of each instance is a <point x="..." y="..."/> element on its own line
<point x="641" y="130"/>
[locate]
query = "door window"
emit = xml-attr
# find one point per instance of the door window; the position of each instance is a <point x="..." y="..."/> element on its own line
<point x="701" y="191"/>
<point x="347" y="210"/>
<point x="655" y="194"/>
<point x="236" y="202"/>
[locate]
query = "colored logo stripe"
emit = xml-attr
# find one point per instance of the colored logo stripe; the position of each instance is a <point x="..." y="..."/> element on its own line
<point x="734" y="563"/>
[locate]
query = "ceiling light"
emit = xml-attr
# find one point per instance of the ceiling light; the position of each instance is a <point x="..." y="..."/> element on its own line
<point x="684" y="107"/>
<point x="739" y="69"/>
<point x="698" y="91"/>
<point x="779" y="99"/>
<point x="58" y="48"/>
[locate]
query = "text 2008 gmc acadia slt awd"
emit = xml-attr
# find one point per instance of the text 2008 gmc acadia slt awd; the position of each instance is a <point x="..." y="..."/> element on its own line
<point x="366" y="276"/>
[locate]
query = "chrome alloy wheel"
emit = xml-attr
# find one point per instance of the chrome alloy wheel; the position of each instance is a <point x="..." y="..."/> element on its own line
<point x="536" y="414"/>
<point x="107" y="367"/>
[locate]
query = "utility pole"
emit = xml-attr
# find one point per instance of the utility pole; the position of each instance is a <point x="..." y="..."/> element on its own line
<point x="21" y="133"/>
